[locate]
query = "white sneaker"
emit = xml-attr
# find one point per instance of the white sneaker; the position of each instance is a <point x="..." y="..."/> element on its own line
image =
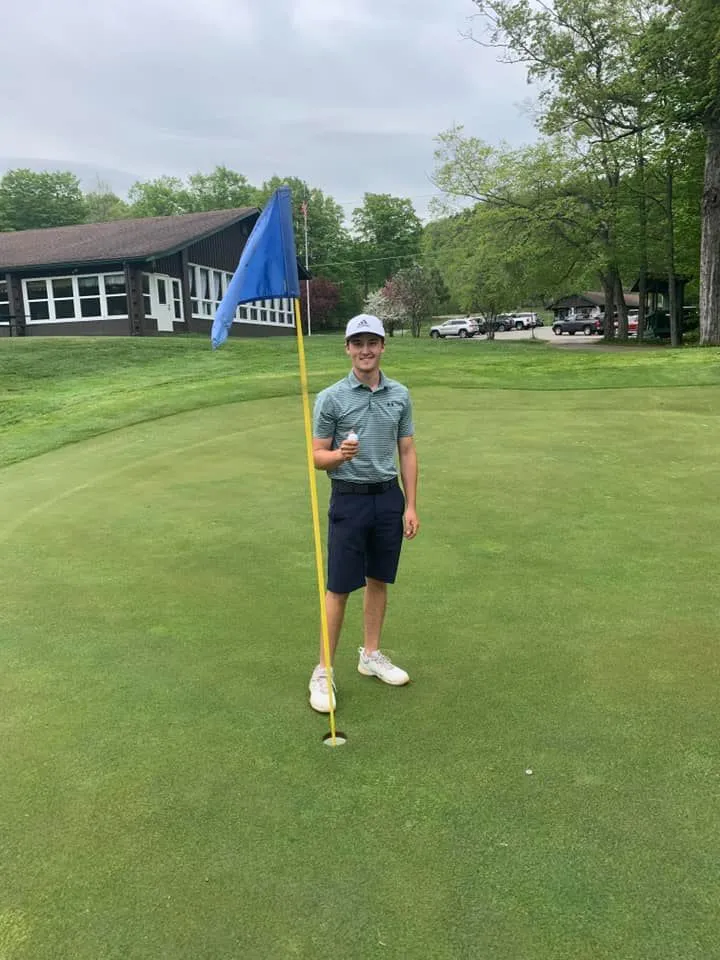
<point x="319" y="692"/>
<point x="378" y="665"/>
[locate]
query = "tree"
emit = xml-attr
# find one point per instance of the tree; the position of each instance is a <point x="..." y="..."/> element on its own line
<point x="101" y="205"/>
<point x="388" y="233"/>
<point x="476" y="253"/>
<point x="163" y="197"/>
<point x="380" y="305"/>
<point x="496" y="258"/>
<point x="537" y="206"/>
<point x="324" y="300"/>
<point x="619" y="71"/>
<point x="412" y="291"/>
<point x="223" y="189"/>
<point x="699" y="37"/>
<point x="443" y="296"/>
<point x="580" y="53"/>
<point x="29" y="200"/>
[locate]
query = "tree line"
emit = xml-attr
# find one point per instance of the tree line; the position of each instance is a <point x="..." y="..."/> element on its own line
<point x="621" y="189"/>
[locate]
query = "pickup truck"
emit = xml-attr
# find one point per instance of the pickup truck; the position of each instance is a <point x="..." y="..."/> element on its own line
<point x="573" y="325"/>
<point x="525" y="321"/>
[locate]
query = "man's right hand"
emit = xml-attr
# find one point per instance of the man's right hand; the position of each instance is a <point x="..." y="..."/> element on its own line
<point x="348" y="449"/>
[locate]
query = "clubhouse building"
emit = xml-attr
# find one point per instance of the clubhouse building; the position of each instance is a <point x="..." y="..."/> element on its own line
<point x="146" y="277"/>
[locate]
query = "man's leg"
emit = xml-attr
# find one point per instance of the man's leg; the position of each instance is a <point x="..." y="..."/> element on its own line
<point x="320" y="693"/>
<point x="375" y="606"/>
<point x="335" y="604"/>
<point x="383" y="556"/>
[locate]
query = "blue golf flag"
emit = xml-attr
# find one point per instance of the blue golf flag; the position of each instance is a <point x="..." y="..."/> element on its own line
<point x="268" y="265"/>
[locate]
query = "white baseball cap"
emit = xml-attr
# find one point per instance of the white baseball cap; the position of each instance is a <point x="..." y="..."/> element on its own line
<point x="364" y="323"/>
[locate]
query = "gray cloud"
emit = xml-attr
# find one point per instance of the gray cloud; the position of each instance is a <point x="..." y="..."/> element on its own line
<point x="348" y="94"/>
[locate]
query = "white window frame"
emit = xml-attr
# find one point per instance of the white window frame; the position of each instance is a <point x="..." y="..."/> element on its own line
<point x="177" y="300"/>
<point x="77" y="298"/>
<point x="276" y="313"/>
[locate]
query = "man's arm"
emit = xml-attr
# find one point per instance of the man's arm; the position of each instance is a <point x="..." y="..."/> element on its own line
<point x="326" y="458"/>
<point x="324" y="427"/>
<point x="409" y="474"/>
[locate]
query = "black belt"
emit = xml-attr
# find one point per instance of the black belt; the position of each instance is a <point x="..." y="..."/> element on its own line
<point x="343" y="486"/>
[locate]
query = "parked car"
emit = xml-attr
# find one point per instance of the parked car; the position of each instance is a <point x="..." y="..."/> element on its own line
<point x="525" y="321"/>
<point x="466" y="327"/>
<point x="632" y="323"/>
<point x="502" y="323"/>
<point x="573" y="325"/>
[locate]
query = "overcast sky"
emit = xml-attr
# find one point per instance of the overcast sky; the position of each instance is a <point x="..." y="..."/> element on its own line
<point x="347" y="94"/>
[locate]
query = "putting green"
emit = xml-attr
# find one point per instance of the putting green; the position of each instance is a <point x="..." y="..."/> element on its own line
<point x="163" y="784"/>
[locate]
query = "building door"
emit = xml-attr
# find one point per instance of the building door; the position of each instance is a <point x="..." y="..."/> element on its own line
<point x="161" y="302"/>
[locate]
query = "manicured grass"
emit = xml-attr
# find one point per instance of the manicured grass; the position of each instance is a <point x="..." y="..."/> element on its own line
<point x="55" y="391"/>
<point x="163" y="786"/>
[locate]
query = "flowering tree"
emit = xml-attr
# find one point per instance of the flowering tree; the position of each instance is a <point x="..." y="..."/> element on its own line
<point x="412" y="292"/>
<point x="383" y="305"/>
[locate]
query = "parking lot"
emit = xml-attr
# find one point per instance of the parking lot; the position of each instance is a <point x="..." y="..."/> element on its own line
<point x="541" y="333"/>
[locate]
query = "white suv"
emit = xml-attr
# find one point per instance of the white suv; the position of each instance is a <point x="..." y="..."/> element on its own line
<point x="455" y="328"/>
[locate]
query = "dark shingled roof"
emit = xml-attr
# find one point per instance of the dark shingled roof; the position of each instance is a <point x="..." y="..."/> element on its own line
<point x="632" y="300"/>
<point x="117" y="240"/>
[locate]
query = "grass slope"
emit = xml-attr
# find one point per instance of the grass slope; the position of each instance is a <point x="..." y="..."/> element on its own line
<point x="163" y="786"/>
<point x="55" y="391"/>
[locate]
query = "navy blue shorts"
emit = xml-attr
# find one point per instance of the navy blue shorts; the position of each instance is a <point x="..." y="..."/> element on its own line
<point x="365" y="537"/>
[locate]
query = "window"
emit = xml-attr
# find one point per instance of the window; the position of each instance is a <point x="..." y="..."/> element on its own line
<point x="205" y="291"/>
<point x="76" y="298"/>
<point x="89" y="296"/>
<point x="38" y="300"/>
<point x="4" y="302"/>
<point x="147" y="303"/>
<point x="115" y="294"/>
<point x="64" y="297"/>
<point x="192" y="284"/>
<point x="288" y="308"/>
<point x="208" y="287"/>
<point x="177" y="299"/>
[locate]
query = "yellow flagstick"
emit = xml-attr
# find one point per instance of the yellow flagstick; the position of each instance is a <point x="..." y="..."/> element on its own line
<point x="315" y="512"/>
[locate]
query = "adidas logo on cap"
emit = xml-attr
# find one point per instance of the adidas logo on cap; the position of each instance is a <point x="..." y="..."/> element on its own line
<point x="364" y="323"/>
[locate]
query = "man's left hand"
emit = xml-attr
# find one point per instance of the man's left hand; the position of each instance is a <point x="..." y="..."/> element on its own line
<point x="412" y="524"/>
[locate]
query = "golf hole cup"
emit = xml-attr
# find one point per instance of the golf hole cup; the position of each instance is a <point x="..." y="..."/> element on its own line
<point x="340" y="739"/>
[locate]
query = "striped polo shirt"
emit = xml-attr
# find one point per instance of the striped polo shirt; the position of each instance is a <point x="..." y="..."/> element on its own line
<point x="379" y="418"/>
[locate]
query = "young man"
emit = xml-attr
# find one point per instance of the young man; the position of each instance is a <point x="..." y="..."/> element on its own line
<point x="359" y="424"/>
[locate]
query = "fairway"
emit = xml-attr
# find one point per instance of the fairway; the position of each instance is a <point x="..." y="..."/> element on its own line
<point x="545" y="789"/>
